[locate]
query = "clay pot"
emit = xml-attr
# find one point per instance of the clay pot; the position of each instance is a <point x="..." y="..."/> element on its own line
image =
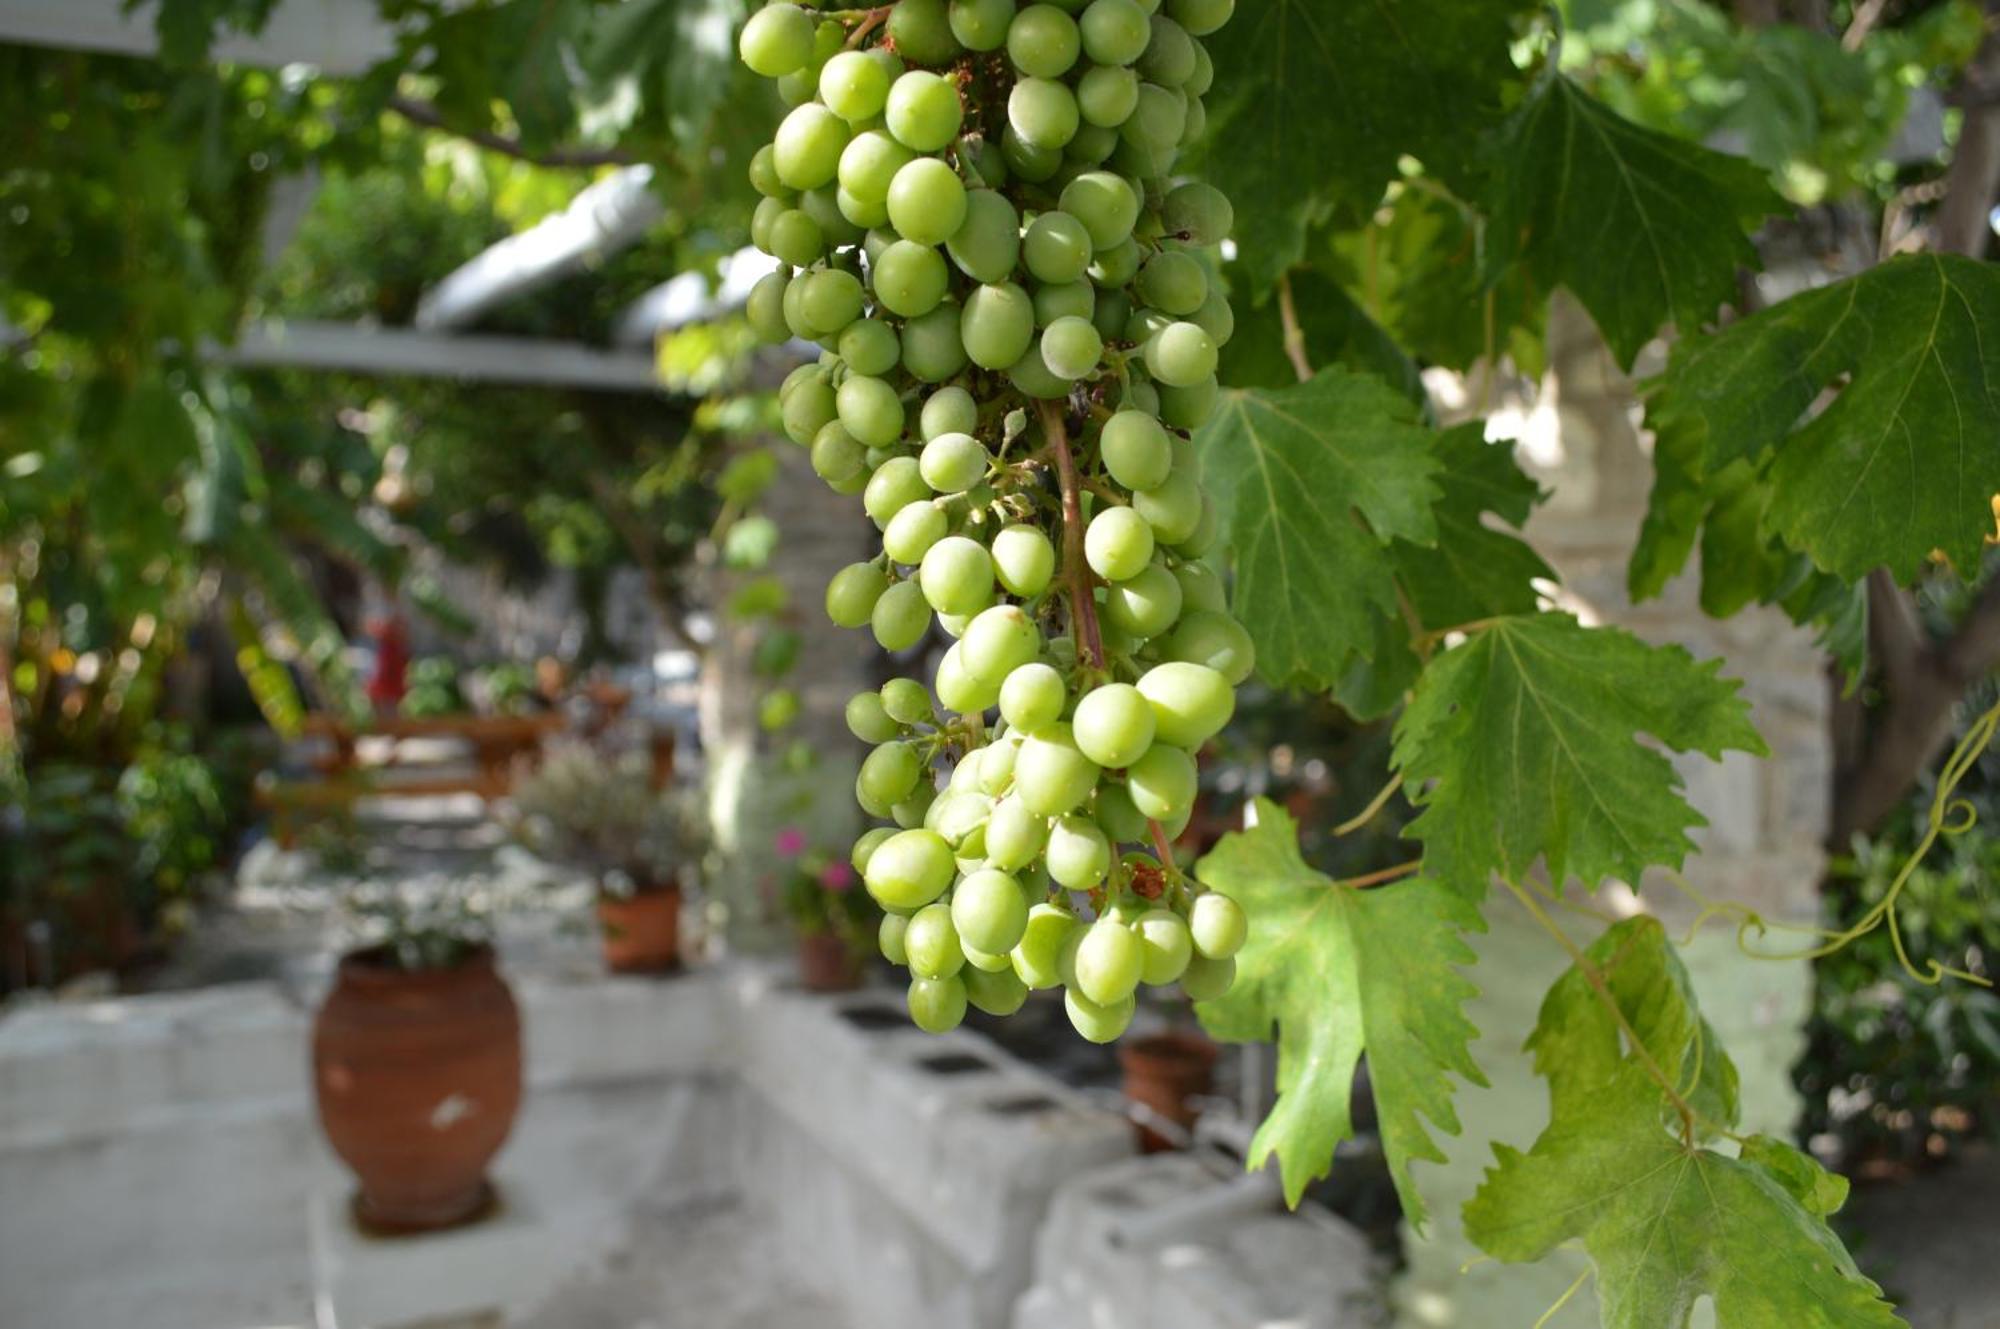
<point x="1163" y="1071"/>
<point x="828" y="964"/>
<point x="417" y="1074"/>
<point x="642" y="931"/>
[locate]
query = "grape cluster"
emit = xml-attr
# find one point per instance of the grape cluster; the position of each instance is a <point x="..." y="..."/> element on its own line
<point x="973" y="206"/>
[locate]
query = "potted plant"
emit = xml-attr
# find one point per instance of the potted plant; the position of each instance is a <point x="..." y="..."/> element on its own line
<point x="598" y="813"/>
<point x="835" y="923"/>
<point x="416" y="1056"/>
<point x="1167" y="1071"/>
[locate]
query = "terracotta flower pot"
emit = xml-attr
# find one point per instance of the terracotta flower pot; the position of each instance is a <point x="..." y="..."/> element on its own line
<point x="417" y="1074"/>
<point x="1163" y="1071"/>
<point x="642" y="932"/>
<point x="828" y="964"/>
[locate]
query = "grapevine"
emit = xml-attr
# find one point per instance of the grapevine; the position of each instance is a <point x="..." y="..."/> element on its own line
<point x="1019" y="310"/>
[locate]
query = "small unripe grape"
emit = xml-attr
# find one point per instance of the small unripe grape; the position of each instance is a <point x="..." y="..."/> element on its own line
<point x="960" y="690"/>
<point x="1031" y="377"/>
<point x="1051" y="774"/>
<point x="808" y="410"/>
<point x="900" y="617"/>
<point x="1208" y="637"/>
<point x="1174" y="282"/>
<point x="1107" y="96"/>
<point x="1135" y="450"/>
<point x="1201" y="588"/>
<point x="867" y="721"/>
<point x="1114" y="725"/>
<point x="1124" y="823"/>
<point x="807" y="148"/>
<point x="1172" y="508"/>
<point x="777" y="40"/>
<point x="1203" y="77"/>
<point x="927" y="201"/>
<point x="1071" y="347"/>
<point x="852" y="593"/>
<point x="1024" y="559"/>
<point x="978" y="961"/>
<point x="953" y="463"/>
<point x="909" y="870"/>
<point x="937" y="1005"/>
<point x="890" y="772"/>
<point x="764" y="173"/>
<point x="870" y="410"/>
<point x="923" y="111"/>
<point x="1197" y="213"/>
<point x="1076" y="299"/>
<point x="910" y="278"/>
<point x="1043" y="41"/>
<point x="1201" y="17"/>
<point x="1050" y="927"/>
<point x="948" y="411"/>
<point x="1041" y="112"/>
<point x="1219" y="925"/>
<point x="1162" y="783"/>
<point x="889" y="936"/>
<point x="765" y="308"/>
<point x="866" y="843"/>
<point x="906" y="701"/>
<point x="1117" y="265"/>
<point x="1215" y="316"/>
<point x="1096" y="1022"/>
<point x="911" y="813"/>
<point x="1191" y="702"/>
<point x="1189" y="406"/>
<point x="987" y="244"/>
<point x="957" y="576"/>
<point x="911" y="532"/>
<point x="1115" y="32"/>
<point x="1169" y="56"/>
<point x="1118" y="543"/>
<point x="1108" y="962"/>
<point x="1206" y="979"/>
<point x="1078" y="853"/>
<point x="957" y="813"/>
<point x="989" y="911"/>
<point x="832" y="299"/>
<point x="870" y="347"/>
<point x="921" y="31"/>
<point x="1056" y="248"/>
<point x="795" y="238"/>
<point x="1000" y="992"/>
<point x="981" y="25"/>
<point x="1164" y="946"/>
<point x="1105" y="204"/>
<point x="932" y="349"/>
<point x="998" y="641"/>
<point x="998" y="325"/>
<point x="1032" y="699"/>
<point x="1026" y="160"/>
<point x="1092" y="144"/>
<point x="1014" y="835"/>
<point x="854" y="85"/>
<point x="931" y="942"/>
<point x="869" y="163"/>
<point x="1180" y="355"/>
<point x="996" y="765"/>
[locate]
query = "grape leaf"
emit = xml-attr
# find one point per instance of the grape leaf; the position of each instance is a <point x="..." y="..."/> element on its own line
<point x="1642" y="227"/>
<point x="1288" y="470"/>
<point x="1904" y="460"/>
<point x="1314" y="103"/>
<point x="1522" y="743"/>
<point x="1336" y="330"/>
<point x="1666" y="1221"/>
<point x="1473" y="571"/>
<point x="1341" y="971"/>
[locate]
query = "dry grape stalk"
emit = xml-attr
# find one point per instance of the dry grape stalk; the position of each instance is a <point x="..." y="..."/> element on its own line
<point x="1019" y="309"/>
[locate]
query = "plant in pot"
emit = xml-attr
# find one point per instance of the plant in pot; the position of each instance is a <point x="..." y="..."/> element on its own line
<point x="836" y="924"/>
<point x="1168" y="1071"/>
<point x="416" y="1056"/>
<point x="598" y="813"/>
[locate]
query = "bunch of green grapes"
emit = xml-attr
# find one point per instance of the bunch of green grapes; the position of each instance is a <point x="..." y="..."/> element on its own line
<point x="976" y="218"/>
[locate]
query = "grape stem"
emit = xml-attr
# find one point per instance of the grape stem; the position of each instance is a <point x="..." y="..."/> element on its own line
<point x="1082" y="600"/>
<point x="870" y="18"/>
<point x="1295" y="335"/>
<point x="1161" y="845"/>
<point x="1367" y="879"/>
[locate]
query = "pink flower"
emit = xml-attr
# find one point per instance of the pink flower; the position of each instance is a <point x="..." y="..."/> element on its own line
<point x="791" y="842"/>
<point x="837" y="876"/>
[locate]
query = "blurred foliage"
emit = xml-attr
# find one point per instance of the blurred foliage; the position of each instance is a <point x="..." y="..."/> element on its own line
<point x="597" y="812"/>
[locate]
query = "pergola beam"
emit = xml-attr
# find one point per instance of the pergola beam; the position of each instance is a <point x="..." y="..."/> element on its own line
<point x="401" y="352"/>
<point x="340" y="37"/>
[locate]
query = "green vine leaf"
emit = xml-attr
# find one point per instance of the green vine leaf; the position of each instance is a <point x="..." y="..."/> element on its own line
<point x="1523" y="743"/>
<point x="1666" y="1222"/>
<point x="1338" y="971"/>
<point x="1473" y="571"/>
<point x="1903" y="461"/>
<point x="1290" y="470"/>
<point x="1642" y="227"/>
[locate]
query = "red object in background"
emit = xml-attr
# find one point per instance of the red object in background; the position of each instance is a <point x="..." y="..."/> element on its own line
<point x="390" y="677"/>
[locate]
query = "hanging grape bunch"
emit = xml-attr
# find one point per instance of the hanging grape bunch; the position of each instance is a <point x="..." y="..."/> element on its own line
<point x="1019" y="313"/>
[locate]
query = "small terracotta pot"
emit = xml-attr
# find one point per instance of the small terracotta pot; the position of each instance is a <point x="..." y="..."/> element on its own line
<point x="642" y="932"/>
<point x="417" y="1074"/>
<point x="1163" y="1071"/>
<point x="828" y="964"/>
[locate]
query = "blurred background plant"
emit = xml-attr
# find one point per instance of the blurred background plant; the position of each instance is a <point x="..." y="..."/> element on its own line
<point x="820" y="893"/>
<point x="598" y="811"/>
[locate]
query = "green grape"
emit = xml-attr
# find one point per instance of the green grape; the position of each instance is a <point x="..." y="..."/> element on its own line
<point x="1032" y="699"/>
<point x="1051" y="774"/>
<point x="869" y="163"/>
<point x="854" y="85"/>
<point x="764" y="173"/>
<point x="1096" y="1022"/>
<point x="1107" y="96"/>
<point x="1180" y="355"/>
<point x="1014" y="835"/>
<point x="996" y="765"/>
<point x="909" y="870"/>
<point x="921" y="30"/>
<point x="911" y="532"/>
<point x="957" y="813"/>
<point x="1024" y="560"/>
<point x="998" y="641"/>
<point x="1173" y="282"/>
<point x="797" y="87"/>
<point x="1115" y="32"/>
<point x="1197" y="123"/>
<point x="1203" y="77"/>
<point x="1113" y="308"/>
<point x="1201" y="589"/>
<point x="1191" y="702"/>
<point x="997" y="993"/>
<point x="931" y="942"/>
<point x="910" y="278"/>
<point x="1157" y="120"/>
<point x="997" y="326"/>
<point x="937" y="1005"/>
<point x="953" y="463"/>
<point x="1135" y="450"/>
<point x="1215" y="316"/>
<point x="1211" y="638"/>
<point x="1164" y="947"/>
<point x="777" y="40"/>
<point x="1031" y="377"/>
<point x="1043" y="41"/>
<point x="1078" y="853"/>
<point x="1206" y="979"/>
<point x="988" y="243"/>
<point x="1218" y="924"/>
<point x="989" y="912"/>
<point x="1056" y="248"/>
<point x="1113" y="725"/>
<point x="1172" y="509"/>
<point x="978" y="962"/>
<point x="1041" y="112"/>
<point x="1169" y="56"/>
<point x="900" y="617"/>
<point x="867" y="721"/>
<point x="932" y="349"/>
<point x="808" y="145"/>
<point x="957" y="576"/>
<point x="808" y="410"/>
<point x="766" y="308"/>
<point x="870" y="410"/>
<point x="981" y="25"/>
<point x="1189" y="407"/>
<point x="1162" y="783"/>
<point x="923" y="111"/>
<point x="948" y="411"/>
<point x="1105" y="204"/>
<point x="866" y="843"/>
<point x="1076" y="299"/>
<point x="889" y="937"/>
<point x="1092" y="145"/>
<point x="1201" y="17"/>
<point x="1117" y="265"/>
<point x="870" y="347"/>
<point x="1108" y="962"/>
<point x="852" y="593"/>
<point x="1035" y="958"/>
<point x="1118" y="544"/>
<point x="890" y="772"/>
<point x="960" y="691"/>
<point x="905" y="700"/>
<point x="1030" y="162"/>
<point x="1146" y="323"/>
<point x="911" y="813"/>
<point x="796" y="238"/>
<point x="1145" y="605"/>
<point x="1121" y="821"/>
<point x="927" y="201"/>
<point x="862" y="212"/>
<point x="1071" y="347"/>
<point x="1198" y="214"/>
<point x="832" y="299"/>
